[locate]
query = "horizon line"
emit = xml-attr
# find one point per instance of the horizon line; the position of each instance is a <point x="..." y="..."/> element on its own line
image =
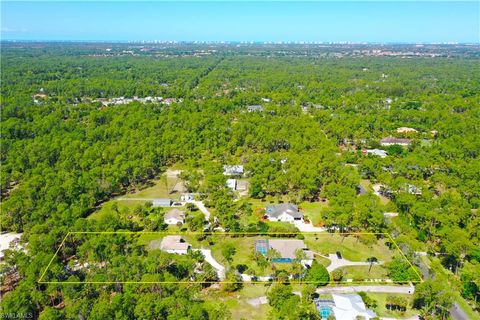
<point x="270" y="42"/>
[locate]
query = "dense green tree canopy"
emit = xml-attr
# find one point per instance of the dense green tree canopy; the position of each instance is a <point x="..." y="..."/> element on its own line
<point x="63" y="155"/>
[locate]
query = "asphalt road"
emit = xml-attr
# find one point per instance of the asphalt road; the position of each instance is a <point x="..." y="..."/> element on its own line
<point x="381" y="288"/>
<point x="457" y="313"/>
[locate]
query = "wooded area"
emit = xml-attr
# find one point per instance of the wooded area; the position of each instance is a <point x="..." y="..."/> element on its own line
<point x="63" y="156"/>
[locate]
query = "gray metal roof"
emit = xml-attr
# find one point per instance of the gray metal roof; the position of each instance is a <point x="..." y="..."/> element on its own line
<point x="162" y="202"/>
<point x="277" y="210"/>
<point x="255" y="108"/>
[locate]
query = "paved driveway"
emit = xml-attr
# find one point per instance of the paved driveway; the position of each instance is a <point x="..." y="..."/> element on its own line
<point x="308" y="227"/>
<point x="338" y="263"/>
<point x="207" y="253"/>
<point x="202" y="208"/>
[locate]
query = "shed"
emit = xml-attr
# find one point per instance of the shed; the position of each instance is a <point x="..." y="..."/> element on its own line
<point x="162" y="202"/>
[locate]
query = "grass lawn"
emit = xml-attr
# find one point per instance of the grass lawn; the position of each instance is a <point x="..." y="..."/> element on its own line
<point x="242" y="310"/>
<point x="361" y="273"/>
<point x="123" y="206"/>
<point x="349" y="246"/>
<point x="126" y="208"/>
<point x="145" y="238"/>
<point x="313" y="211"/>
<point x="157" y="189"/>
<point x="382" y="311"/>
<point x="324" y="261"/>
<point x="258" y="204"/>
<point x="269" y="200"/>
<point x="367" y="184"/>
<point x="244" y="252"/>
<point x="237" y="304"/>
<point x="160" y="189"/>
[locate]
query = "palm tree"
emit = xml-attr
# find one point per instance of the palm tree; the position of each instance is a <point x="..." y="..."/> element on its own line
<point x="272" y="254"/>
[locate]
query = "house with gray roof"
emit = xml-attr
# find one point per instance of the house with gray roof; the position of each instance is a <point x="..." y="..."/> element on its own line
<point x="285" y="212"/>
<point x="159" y="202"/>
<point x="233" y="170"/>
<point x="254" y="108"/>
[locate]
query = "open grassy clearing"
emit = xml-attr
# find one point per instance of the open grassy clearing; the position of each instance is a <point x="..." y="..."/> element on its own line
<point x="147" y="238"/>
<point x="313" y="211"/>
<point x="349" y="246"/>
<point x="240" y="309"/>
<point x="114" y="209"/>
<point x="237" y="301"/>
<point x="166" y="187"/>
<point x="382" y="310"/>
<point x="361" y="273"/>
<point x="107" y="208"/>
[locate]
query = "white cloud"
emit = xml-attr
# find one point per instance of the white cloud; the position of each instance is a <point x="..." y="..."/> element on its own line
<point x="6" y="30"/>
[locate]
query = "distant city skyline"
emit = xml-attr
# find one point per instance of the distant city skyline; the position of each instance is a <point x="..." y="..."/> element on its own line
<point x="255" y="21"/>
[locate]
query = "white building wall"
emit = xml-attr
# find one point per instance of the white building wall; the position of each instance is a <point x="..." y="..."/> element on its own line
<point x="173" y="221"/>
<point x="177" y="251"/>
<point x="284" y="218"/>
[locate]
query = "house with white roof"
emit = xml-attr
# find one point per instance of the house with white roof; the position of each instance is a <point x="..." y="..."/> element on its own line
<point x="174" y="216"/>
<point x="376" y="152"/>
<point x="9" y="241"/>
<point x="254" y="108"/>
<point x="406" y="130"/>
<point x="187" y="197"/>
<point x="344" y="307"/>
<point x="175" y="244"/>
<point x="232" y="184"/>
<point x="233" y="170"/>
<point x="391" y="141"/>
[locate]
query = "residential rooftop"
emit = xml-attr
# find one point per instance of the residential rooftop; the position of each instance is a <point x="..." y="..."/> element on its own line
<point x="174" y="243"/>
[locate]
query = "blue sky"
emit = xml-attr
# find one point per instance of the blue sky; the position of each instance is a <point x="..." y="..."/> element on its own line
<point x="357" y="21"/>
